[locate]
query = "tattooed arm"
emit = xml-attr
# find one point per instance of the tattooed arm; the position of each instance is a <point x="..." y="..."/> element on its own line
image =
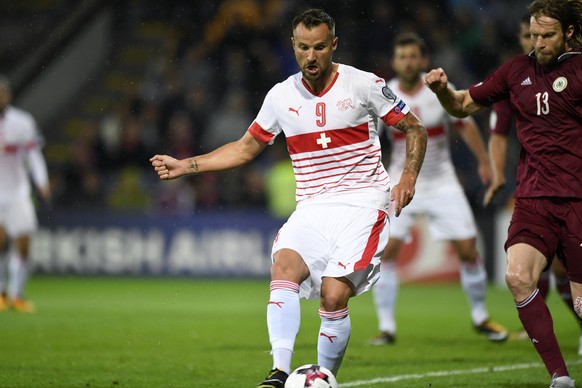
<point x="227" y="157"/>
<point x="416" y="138"/>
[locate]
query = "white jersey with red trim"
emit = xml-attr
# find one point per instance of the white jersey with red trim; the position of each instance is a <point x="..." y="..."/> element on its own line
<point x="18" y="137"/>
<point x="438" y="172"/>
<point x="332" y="137"/>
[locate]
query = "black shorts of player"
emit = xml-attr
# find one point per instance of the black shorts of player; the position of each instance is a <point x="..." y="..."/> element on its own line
<point x="553" y="226"/>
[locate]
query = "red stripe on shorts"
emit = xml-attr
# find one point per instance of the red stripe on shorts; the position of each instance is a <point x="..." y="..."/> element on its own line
<point x="372" y="244"/>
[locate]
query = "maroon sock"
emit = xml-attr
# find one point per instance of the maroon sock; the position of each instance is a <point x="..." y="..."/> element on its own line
<point x="563" y="287"/>
<point x="544" y="284"/>
<point x="537" y="321"/>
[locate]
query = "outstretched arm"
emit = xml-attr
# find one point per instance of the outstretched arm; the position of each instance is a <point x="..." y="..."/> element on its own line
<point x="456" y="102"/>
<point x="416" y="138"/>
<point x="227" y="157"/>
<point x="472" y="137"/>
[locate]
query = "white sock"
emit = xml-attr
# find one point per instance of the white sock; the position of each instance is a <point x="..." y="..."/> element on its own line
<point x="334" y="335"/>
<point x="283" y="318"/>
<point x="18" y="275"/>
<point x="474" y="282"/>
<point x="385" y="292"/>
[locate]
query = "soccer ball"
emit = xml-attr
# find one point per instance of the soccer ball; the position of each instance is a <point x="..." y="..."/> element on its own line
<point x="311" y="375"/>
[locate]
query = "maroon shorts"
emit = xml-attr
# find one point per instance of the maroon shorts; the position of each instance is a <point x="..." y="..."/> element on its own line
<point x="553" y="226"/>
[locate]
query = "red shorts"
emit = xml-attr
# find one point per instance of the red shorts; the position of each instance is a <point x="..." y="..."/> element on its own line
<point x="553" y="226"/>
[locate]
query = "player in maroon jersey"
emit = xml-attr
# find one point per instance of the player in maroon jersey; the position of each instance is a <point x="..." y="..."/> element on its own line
<point x="545" y="93"/>
<point x="501" y="124"/>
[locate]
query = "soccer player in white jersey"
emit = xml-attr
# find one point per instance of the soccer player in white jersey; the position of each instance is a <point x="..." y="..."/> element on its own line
<point x="330" y="247"/>
<point x="20" y="154"/>
<point x="439" y="194"/>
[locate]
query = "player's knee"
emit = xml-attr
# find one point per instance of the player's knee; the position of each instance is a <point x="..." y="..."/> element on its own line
<point x="331" y="303"/>
<point x="4" y="242"/>
<point x="280" y="270"/>
<point x="389" y="256"/>
<point x="23" y="247"/>
<point x="469" y="257"/>
<point x="520" y="283"/>
<point x="391" y="250"/>
<point x="467" y="251"/>
<point x="23" y="251"/>
<point x="334" y="301"/>
<point x="3" y="246"/>
<point x="578" y="306"/>
<point x="289" y="270"/>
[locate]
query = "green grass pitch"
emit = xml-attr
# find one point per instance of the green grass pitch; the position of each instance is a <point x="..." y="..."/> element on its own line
<point x="119" y="332"/>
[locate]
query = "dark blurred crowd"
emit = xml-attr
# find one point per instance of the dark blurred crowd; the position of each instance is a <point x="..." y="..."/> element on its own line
<point x="205" y="84"/>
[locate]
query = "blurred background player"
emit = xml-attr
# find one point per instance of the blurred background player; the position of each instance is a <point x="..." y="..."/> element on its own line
<point x="20" y="153"/>
<point x="437" y="186"/>
<point x="500" y="126"/>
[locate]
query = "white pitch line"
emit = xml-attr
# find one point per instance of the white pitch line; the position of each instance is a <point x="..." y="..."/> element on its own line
<point x="458" y="372"/>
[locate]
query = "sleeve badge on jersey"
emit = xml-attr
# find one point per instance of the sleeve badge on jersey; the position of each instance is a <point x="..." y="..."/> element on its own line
<point x="398" y="108"/>
<point x="389" y="94"/>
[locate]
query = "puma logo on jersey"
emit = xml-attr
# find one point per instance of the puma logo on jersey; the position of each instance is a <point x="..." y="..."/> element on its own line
<point x="294" y="110"/>
<point x="278" y="304"/>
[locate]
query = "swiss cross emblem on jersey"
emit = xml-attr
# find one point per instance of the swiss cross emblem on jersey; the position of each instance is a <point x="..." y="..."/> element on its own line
<point x="323" y="140"/>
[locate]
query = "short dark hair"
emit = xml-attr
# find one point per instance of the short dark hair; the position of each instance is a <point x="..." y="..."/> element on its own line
<point x="314" y="17"/>
<point x="407" y="38"/>
<point x="567" y="12"/>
